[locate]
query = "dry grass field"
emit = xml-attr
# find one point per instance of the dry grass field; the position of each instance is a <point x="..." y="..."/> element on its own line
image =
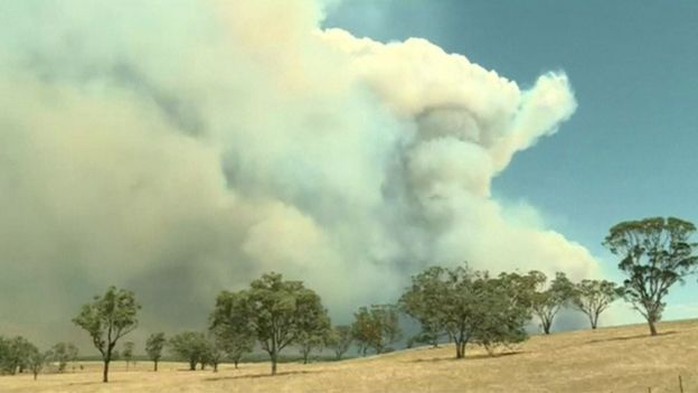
<point x="609" y="360"/>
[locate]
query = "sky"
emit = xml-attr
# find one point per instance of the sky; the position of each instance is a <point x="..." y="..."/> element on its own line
<point x="178" y="148"/>
<point x="628" y="151"/>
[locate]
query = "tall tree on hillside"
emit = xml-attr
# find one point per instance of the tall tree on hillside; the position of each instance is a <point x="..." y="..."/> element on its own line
<point x="655" y="253"/>
<point x="593" y="297"/>
<point x="107" y="319"/>
<point x="154" y="346"/>
<point x="277" y="311"/>
<point x="548" y="301"/>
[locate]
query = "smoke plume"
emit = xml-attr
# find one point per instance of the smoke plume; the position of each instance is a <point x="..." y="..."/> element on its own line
<point x="178" y="148"/>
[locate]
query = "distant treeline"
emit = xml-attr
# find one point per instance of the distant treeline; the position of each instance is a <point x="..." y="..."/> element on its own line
<point x="456" y="304"/>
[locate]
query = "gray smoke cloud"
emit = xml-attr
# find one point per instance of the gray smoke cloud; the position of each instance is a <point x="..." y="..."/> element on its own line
<point x="179" y="148"/>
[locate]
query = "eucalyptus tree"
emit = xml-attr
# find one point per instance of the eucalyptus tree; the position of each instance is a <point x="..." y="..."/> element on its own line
<point x="376" y="327"/>
<point x="655" y="253"/>
<point x="154" y="345"/>
<point x="593" y="297"/>
<point x="470" y="306"/>
<point x="278" y="312"/>
<point x="107" y="319"/>
<point x="550" y="297"/>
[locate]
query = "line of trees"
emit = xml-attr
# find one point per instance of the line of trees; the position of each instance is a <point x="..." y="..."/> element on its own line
<point x="18" y="355"/>
<point x="459" y="304"/>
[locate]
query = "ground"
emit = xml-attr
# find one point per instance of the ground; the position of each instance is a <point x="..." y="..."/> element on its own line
<point x="622" y="359"/>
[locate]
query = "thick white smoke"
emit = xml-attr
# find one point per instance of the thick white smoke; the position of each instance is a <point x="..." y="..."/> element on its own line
<point x="182" y="147"/>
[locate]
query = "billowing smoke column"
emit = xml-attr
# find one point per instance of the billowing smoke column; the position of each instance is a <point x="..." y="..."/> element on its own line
<point x="178" y="148"/>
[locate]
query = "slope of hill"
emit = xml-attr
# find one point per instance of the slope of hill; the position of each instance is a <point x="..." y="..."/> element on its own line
<point x="621" y="359"/>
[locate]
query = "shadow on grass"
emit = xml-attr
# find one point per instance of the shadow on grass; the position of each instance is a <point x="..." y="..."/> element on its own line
<point x="634" y="337"/>
<point x="479" y="356"/>
<point x="88" y="383"/>
<point x="254" y="376"/>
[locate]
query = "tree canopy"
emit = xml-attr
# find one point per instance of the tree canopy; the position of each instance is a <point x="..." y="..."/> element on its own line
<point x="277" y="312"/>
<point x="655" y="253"/>
<point x="107" y="319"/>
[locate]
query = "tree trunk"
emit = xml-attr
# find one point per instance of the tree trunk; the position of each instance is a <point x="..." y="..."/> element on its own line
<point x="192" y="365"/>
<point x="155" y="365"/>
<point x="105" y="375"/>
<point x="460" y="349"/>
<point x="546" y="326"/>
<point x="273" y="363"/>
<point x="236" y="363"/>
<point x="653" y="328"/>
<point x="215" y="367"/>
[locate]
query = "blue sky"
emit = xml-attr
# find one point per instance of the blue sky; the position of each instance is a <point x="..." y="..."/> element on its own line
<point x="629" y="150"/>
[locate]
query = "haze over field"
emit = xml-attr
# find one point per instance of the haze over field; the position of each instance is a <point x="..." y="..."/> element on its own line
<point x="176" y="148"/>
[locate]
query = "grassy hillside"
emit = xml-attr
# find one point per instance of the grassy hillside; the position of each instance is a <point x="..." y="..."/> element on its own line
<point x="609" y="360"/>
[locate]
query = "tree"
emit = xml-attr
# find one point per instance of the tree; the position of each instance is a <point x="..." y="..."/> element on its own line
<point x="501" y="310"/>
<point x="471" y="307"/>
<point x="340" y="340"/>
<point x="153" y="347"/>
<point x="37" y="360"/>
<point x="191" y="347"/>
<point x="376" y="327"/>
<point x="15" y="354"/>
<point x="422" y="303"/>
<point x="216" y="351"/>
<point x="315" y="334"/>
<point x="107" y="319"/>
<point x="63" y="353"/>
<point x="592" y="297"/>
<point x="547" y="302"/>
<point x="277" y="311"/>
<point x="655" y="253"/>
<point x="127" y="352"/>
<point x="229" y="324"/>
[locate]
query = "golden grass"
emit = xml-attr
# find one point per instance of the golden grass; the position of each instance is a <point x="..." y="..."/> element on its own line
<point x="609" y="360"/>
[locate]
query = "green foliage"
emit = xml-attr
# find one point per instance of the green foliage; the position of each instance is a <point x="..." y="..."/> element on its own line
<point x="63" y="353"/>
<point x="655" y="253"/>
<point x="229" y="325"/>
<point x="376" y="327"/>
<point x="154" y="345"/>
<point x="315" y="334"/>
<point x="191" y="347"/>
<point x="107" y="319"/>
<point x="470" y="306"/>
<point x="421" y="302"/>
<point x="593" y="297"/>
<point x="503" y="307"/>
<point x="340" y="339"/>
<point x="548" y="301"/>
<point x="127" y="352"/>
<point x="277" y="312"/>
<point x="36" y="360"/>
<point x="15" y="354"/>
